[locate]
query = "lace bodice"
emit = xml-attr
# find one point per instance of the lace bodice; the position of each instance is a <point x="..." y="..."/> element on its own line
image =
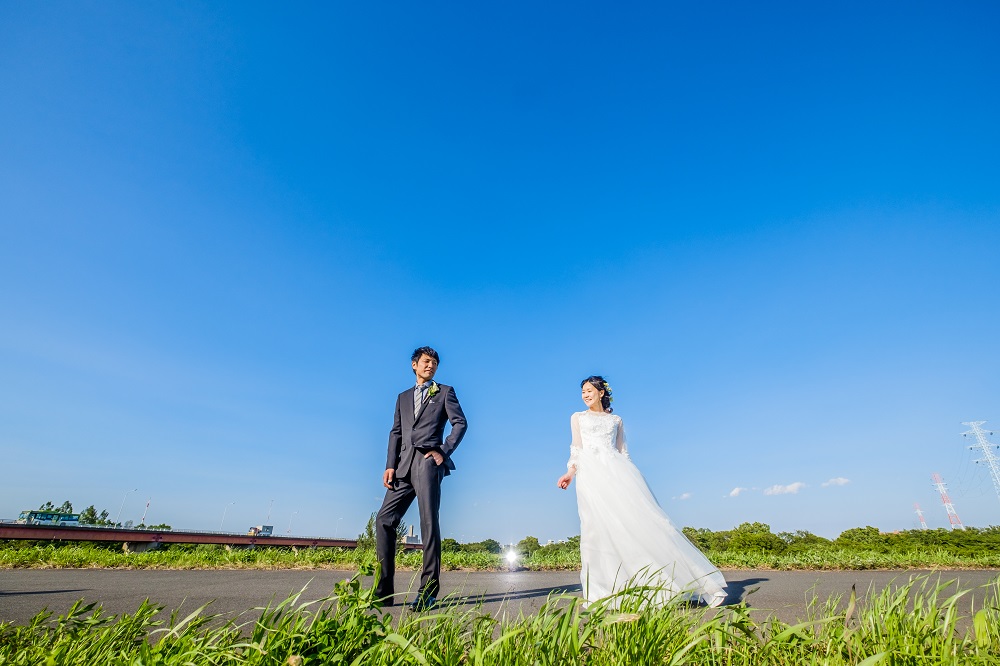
<point x="595" y="433"/>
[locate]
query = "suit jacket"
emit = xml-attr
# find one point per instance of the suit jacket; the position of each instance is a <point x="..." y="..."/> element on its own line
<point x="411" y="436"/>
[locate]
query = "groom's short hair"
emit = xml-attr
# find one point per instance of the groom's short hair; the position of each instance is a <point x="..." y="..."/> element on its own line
<point x="420" y="351"/>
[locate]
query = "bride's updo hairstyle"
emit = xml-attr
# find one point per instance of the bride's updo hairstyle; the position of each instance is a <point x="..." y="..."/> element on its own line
<point x="598" y="383"/>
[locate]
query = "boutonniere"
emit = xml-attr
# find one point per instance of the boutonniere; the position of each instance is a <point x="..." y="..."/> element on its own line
<point x="433" y="390"/>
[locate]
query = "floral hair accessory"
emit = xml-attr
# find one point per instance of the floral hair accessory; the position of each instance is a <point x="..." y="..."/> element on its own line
<point x="607" y="392"/>
<point x="433" y="390"/>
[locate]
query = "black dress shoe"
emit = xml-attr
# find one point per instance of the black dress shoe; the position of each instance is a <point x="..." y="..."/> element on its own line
<point x="422" y="604"/>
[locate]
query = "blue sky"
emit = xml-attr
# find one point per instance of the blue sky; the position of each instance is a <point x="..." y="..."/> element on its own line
<point x="223" y="228"/>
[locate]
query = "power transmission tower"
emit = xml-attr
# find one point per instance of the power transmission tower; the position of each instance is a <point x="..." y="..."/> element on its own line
<point x="987" y="447"/>
<point x="953" y="519"/>
<point x="920" y="515"/>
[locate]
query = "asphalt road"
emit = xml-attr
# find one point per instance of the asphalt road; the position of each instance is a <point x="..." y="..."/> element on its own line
<point x="784" y="594"/>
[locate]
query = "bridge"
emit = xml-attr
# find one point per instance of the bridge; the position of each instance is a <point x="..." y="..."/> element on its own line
<point x="146" y="538"/>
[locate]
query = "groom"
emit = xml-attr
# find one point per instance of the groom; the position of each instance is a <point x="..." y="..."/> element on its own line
<point x="419" y="458"/>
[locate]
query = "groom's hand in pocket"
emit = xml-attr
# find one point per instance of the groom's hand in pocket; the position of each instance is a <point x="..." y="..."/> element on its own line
<point x="438" y="458"/>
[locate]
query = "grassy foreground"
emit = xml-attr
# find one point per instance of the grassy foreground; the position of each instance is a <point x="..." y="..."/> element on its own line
<point x="921" y="622"/>
<point x="88" y="555"/>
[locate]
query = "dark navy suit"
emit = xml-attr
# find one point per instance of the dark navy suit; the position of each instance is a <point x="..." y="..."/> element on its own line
<point x="417" y="477"/>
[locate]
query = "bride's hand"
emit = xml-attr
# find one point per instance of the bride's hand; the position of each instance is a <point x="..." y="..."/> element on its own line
<point x="565" y="480"/>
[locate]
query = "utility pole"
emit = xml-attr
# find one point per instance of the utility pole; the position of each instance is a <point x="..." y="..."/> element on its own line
<point x="920" y="515"/>
<point x="986" y="447"/>
<point x="224" y="511"/>
<point x="953" y="519"/>
<point x="118" y="517"/>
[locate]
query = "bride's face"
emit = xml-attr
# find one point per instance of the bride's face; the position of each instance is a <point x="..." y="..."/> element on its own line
<point x="591" y="396"/>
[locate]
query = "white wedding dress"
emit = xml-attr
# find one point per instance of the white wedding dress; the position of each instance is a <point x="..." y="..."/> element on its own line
<point x="624" y="534"/>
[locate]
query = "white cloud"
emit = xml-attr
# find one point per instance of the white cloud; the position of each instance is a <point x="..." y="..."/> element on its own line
<point x="735" y="492"/>
<point x="683" y="496"/>
<point x="790" y="489"/>
<point x="837" y="481"/>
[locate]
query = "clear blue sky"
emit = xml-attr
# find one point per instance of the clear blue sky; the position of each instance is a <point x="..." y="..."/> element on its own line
<point x="224" y="227"/>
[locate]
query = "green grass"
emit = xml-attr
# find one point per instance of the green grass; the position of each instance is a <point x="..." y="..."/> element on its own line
<point x="848" y="558"/>
<point x="42" y="555"/>
<point x="918" y="622"/>
<point x="83" y="555"/>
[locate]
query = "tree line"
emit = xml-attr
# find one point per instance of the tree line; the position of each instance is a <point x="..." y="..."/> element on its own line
<point x="90" y="516"/>
<point x="758" y="537"/>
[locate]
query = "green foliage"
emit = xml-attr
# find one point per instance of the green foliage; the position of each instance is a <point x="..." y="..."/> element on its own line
<point x="89" y="516"/>
<point x="755" y="537"/>
<point x="65" y="507"/>
<point x="802" y="541"/>
<point x="366" y="540"/>
<point x="964" y="543"/>
<point x="450" y="545"/>
<point x="487" y="546"/>
<point x="554" y="556"/>
<point x="706" y="539"/>
<point x="527" y="546"/>
<point x="918" y="622"/>
<point x="868" y="537"/>
<point x="746" y="537"/>
<point x="570" y="545"/>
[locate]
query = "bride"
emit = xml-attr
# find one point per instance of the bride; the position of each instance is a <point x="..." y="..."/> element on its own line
<point x="624" y="534"/>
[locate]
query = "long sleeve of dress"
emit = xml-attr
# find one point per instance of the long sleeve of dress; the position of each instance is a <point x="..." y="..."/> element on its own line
<point x="575" y="445"/>
<point x="620" y="442"/>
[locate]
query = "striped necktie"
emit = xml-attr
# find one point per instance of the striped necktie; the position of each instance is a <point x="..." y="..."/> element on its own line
<point x="418" y="398"/>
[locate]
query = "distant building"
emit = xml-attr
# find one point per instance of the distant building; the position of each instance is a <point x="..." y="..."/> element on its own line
<point x="411" y="538"/>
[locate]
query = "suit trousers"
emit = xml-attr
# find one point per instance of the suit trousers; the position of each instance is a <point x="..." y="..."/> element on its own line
<point x="423" y="482"/>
